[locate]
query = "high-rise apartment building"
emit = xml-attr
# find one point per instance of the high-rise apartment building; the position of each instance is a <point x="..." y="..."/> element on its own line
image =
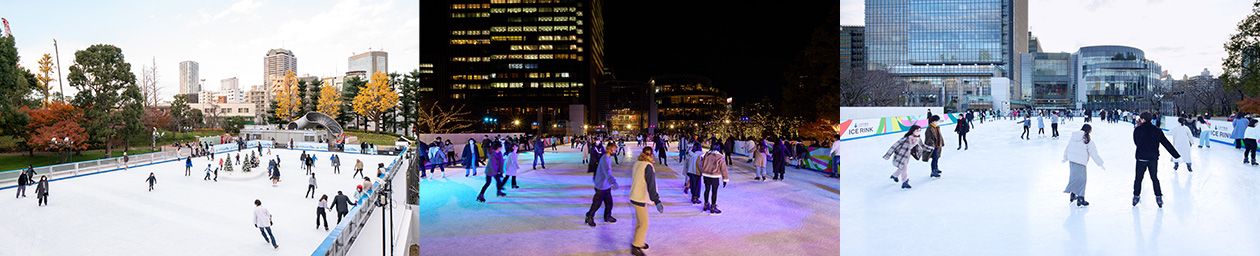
<point x="189" y="81"/>
<point x="276" y="64"/>
<point x="371" y="62"/>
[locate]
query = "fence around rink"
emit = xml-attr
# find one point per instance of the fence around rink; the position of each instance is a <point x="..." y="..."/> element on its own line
<point x="89" y="167"/>
<point x="340" y="239"/>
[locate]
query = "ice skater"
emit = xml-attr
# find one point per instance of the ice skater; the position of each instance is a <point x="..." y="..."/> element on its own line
<point x="900" y="152"/>
<point x="1079" y="150"/>
<point x="1041" y="125"/>
<point x="438" y="156"/>
<point x="275" y="175"/>
<point x="1148" y="138"/>
<point x="539" y="149"/>
<point x="494" y="170"/>
<point x="759" y="159"/>
<point x="1026" y="122"/>
<point x="188" y="166"/>
<point x="510" y="165"/>
<point x="310" y="189"/>
<point x="24" y="180"/>
<point x="1205" y="132"/>
<point x="1054" y="125"/>
<point x="779" y="154"/>
<point x="1182" y="140"/>
<point x="935" y="143"/>
<point x="151" y="180"/>
<point x="321" y="212"/>
<point x="1240" y="129"/>
<point x="125" y="161"/>
<point x="41" y="190"/>
<point x="713" y="168"/>
<point x="470" y="158"/>
<point x="642" y="194"/>
<point x="1250" y="134"/>
<point x="336" y="163"/>
<point x="263" y="221"/>
<point x="604" y="184"/>
<point x="692" y="169"/>
<point x="961" y="128"/>
<point x="358" y="169"/>
<point x="342" y="202"/>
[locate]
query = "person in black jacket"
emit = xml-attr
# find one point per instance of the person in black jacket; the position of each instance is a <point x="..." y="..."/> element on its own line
<point x="24" y="180"/>
<point x="342" y="202"/>
<point x="151" y="180"/>
<point x="1148" y="138"/>
<point x="729" y="147"/>
<point x="962" y="128"/>
<point x="779" y="155"/>
<point x="422" y="154"/>
<point x="41" y="190"/>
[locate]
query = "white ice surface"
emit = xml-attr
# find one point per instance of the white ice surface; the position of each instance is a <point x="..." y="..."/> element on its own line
<point x="115" y="214"/>
<point x="1005" y="196"/>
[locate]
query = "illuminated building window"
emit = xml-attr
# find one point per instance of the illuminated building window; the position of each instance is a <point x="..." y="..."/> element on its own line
<point x="522" y="66"/>
<point x="507" y="38"/>
<point x="470" y="41"/>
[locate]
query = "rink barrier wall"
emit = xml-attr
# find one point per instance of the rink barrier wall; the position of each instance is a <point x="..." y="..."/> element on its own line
<point x="818" y="159"/>
<point x="340" y="239"/>
<point x="92" y="167"/>
<point x="855" y="129"/>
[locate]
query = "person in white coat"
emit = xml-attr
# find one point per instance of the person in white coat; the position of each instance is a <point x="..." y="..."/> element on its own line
<point x="262" y="220"/>
<point x="1182" y="140"/>
<point x="510" y="165"/>
<point x="1079" y="150"/>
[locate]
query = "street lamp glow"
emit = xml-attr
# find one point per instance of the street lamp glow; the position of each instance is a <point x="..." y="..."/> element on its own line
<point x="516" y="122"/>
<point x="728" y="100"/>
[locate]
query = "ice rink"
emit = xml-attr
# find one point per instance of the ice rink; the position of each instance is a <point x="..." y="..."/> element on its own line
<point x="797" y="216"/>
<point x="114" y="213"/>
<point x="1005" y="196"/>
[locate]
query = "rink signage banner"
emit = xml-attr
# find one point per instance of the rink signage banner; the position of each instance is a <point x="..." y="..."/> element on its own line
<point x="255" y="143"/>
<point x="310" y="146"/>
<point x="349" y="148"/>
<point x="225" y="147"/>
<point x="861" y="128"/>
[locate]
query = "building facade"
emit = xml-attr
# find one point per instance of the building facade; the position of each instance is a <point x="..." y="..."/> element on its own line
<point x="370" y="62"/>
<point x="1117" y="77"/>
<point x="259" y="96"/>
<point x="229" y="84"/>
<point x="686" y="102"/>
<point x="947" y="49"/>
<point x="276" y="64"/>
<point x="1048" y="80"/>
<point x="853" y="47"/>
<point x="189" y="77"/>
<point x="511" y="59"/>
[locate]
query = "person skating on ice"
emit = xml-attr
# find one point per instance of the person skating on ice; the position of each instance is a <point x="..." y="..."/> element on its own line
<point x="470" y="158"/>
<point x="321" y="213"/>
<point x="342" y="203"/>
<point x="1027" y="123"/>
<point x="336" y="163"/>
<point x="1054" y="125"/>
<point x="41" y="190"/>
<point x="263" y="221"/>
<point x="494" y="170"/>
<point x="358" y="169"/>
<point x="760" y="154"/>
<point x="935" y="142"/>
<point x="961" y="128"/>
<point x="692" y="169"/>
<point x="1041" y="124"/>
<point x="1205" y="131"/>
<point x="151" y="180"/>
<point x="1147" y="138"/>
<point x="900" y="152"/>
<point x="713" y="169"/>
<point x="188" y="166"/>
<point x="1251" y="134"/>
<point x="1080" y="149"/>
<point x="1182" y="140"/>
<point x="24" y="180"/>
<point x="438" y="156"/>
<point x="779" y="155"/>
<point x="643" y="193"/>
<point x="510" y="165"/>
<point x="604" y="184"/>
<point x="310" y="189"/>
<point x="539" y="149"/>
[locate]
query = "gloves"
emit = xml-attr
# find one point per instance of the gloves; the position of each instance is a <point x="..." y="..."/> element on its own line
<point x="660" y="208"/>
<point x="724" y="184"/>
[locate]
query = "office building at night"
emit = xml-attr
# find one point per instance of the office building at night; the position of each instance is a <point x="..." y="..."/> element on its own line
<point x="515" y="60"/>
<point x="948" y="50"/>
<point x="686" y="101"/>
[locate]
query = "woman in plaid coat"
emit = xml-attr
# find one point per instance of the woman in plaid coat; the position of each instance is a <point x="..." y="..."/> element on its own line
<point x="900" y="153"/>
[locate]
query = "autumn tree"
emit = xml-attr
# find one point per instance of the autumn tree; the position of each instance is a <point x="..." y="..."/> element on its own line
<point x="329" y="101"/>
<point x="287" y="100"/>
<point x="44" y="76"/>
<point x="375" y="99"/>
<point x="55" y="128"/>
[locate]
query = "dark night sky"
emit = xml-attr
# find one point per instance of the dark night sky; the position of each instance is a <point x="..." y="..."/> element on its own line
<point x="744" y="48"/>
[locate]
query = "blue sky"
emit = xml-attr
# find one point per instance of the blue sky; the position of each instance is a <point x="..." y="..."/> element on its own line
<point x="228" y="38"/>
<point x="1184" y="36"/>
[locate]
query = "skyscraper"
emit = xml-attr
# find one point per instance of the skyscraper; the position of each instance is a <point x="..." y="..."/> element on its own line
<point x="189" y="83"/>
<point x="371" y="62"/>
<point x="852" y="47"/>
<point x="229" y="84"/>
<point x="508" y="60"/>
<point x="276" y="64"/>
<point x="947" y="49"/>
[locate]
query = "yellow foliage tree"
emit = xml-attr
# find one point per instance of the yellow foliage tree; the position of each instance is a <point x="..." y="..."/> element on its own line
<point x="329" y="101"/>
<point x="44" y="76"/>
<point x="375" y="98"/>
<point x="287" y="100"/>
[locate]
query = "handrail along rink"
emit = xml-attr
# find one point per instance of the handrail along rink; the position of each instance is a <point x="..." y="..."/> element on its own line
<point x="341" y="238"/>
<point x="8" y="179"/>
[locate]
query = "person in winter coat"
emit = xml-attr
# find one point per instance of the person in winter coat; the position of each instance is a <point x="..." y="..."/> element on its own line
<point x="470" y="158"/>
<point x="779" y="155"/>
<point x="41" y="190"/>
<point x="510" y="165"/>
<point x="1205" y="132"/>
<point x="1250" y="135"/>
<point x="900" y="153"/>
<point x="342" y="203"/>
<point x="539" y="149"/>
<point x="604" y="182"/>
<point x="661" y="144"/>
<point x="24" y="180"/>
<point x="1054" y="125"/>
<point x="263" y="221"/>
<point x="321" y="212"/>
<point x="188" y="166"/>
<point x="692" y="169"/>
<point x="597" y="150"/>
<point x="358" y="169"/>
<point x="1079" y="150"/>
<point x="336" y="163"/>
<point x="310" y="189"/>
<point x="729" y="147"/>
<point x="935" y="143"/>
<point x="760" y="150"/>
<point x="1182" y="140"/>
<point x="494" y="170"/>
<point x="713" y="168"/>
<point x="437" y="154"/>
<point x="151" y="180"/>
<point x="1148" y="138"/>
<point x="1041" y="125"/>
<point x="1240" y="128"/>
<point x="962" y="128"/>
<point x="642" y="194"/>
<point x="1026" y="124"/>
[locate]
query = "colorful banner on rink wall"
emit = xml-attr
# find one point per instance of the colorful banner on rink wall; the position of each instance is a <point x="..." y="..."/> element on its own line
<point x="1219" y="132"/>
<point x="818" y="158"/>
<point x="853" y="129"/>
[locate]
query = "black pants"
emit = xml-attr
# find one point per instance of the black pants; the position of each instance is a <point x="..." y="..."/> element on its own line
<point x="538" y="157"/>
<point x="1054" y="130"/>
<point x="498" y="181"/>
<point x="21" y="191"/>
<point x="1250" y="146"/>
<point x="590" y="166"/>
<point x="320" y="214"/>
<point x="1025" y="134"/>
<point x="511" y="178"/>
<point x="341" y="214"/>
<point x="601" y="197"/>
<point x="664" y="157"/>
<point x="936" y="156"/>
<point x="711" y="190"/>
<point x="729" y="152"/>
<point x="310" y="190"/>
<point x="693" y="183"/>
<point x="962" y="140"/>
<point x="336" y="169"/>
<point x="1041" y="130"/>
<point x="43" y="199"/>
<point x="1142" y="167"/>
<point x="779" y="169"/>
<point x="358" y="172"/>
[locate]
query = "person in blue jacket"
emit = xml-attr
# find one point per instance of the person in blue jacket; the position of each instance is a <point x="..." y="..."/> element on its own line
<point x="1240" y="127"/>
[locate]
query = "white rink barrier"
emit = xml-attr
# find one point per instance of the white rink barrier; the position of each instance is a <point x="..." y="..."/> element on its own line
<point x="8" y="179"/>
<point x="341" y="238"/>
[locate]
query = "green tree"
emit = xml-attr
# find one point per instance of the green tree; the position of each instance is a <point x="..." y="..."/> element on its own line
<point x="410" y="99"/>
<point x="132" y="112"/>
<point x="311" y="102"/>
<point x="1240" y="66"/>
<point x="349" y="90"/>
<point x="305" y="104"/>
<point x="103" y="77"/>
<point x="180" y="111"/>
<point x="15" y="85"/>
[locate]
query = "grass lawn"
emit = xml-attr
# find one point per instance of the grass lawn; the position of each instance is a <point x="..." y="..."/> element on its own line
<point x="378" y="139"/>
<point x="19" y="160"/>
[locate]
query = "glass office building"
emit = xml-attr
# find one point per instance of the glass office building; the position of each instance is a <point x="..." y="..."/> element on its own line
<point x="1117" y="77"/>
<point x="947" y="49"/>
<point x="1047" y="81"/>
